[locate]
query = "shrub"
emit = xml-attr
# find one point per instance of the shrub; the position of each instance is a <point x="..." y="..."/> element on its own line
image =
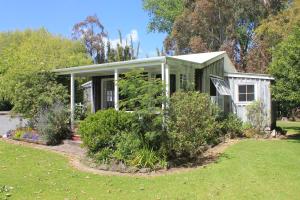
<point x="126" y="147"/>
<point x="145" y="158"/>
<point x="256" y="115"/>
<point x="53" y="123"/>
<point x="192" y="123"/>
<point x="103" y="128"/>
<point x="231" y="125"/>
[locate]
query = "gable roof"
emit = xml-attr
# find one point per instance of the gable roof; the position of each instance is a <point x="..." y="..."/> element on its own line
<point x="203" y="59"/>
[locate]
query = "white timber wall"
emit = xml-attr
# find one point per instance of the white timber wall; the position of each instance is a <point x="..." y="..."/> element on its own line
<point x="262" y="93"/>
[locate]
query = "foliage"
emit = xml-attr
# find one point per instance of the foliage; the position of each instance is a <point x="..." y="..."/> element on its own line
<point x="192" y="122"/>
<point x="53" y="123"/>
<point x="270" y="32"/>
<point x="91" y="32"/>
<point x="95" y="39"/>
<point x="276" y="28"/>
<point x="231" y="125"/>
<point x="35" y="91"/>
<point x="256" y="115"/>
<point x="24" y="55"/>
<point x="207" y="25"/>
<point x="141" y="93"/>
<point x="145" y="158"/>
<point x="101" y="129"/>
<point x="285" y="67"/>
<point x="163" y="13"/>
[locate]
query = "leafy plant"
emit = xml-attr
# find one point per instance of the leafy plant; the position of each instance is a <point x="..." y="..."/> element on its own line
<point x="102" y="129"/>
<point x="53" y="123"/>
<point x="192" y="123"/>
<point x="145" y="158"/>
<point x="256" y="115"/>
<point x="231" y="125"/>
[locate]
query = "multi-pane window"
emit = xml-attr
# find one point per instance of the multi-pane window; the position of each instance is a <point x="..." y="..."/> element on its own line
<point x="183" y="81"/>
<point x="246" y="93"/>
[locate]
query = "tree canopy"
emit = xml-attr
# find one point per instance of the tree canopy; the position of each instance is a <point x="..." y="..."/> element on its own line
<point x="212" y="25"/>
<point x="163" y="13"/>
<point x="24" y="54"/>
<point x="285" y="67"/>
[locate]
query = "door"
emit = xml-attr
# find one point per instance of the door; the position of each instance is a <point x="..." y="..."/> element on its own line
<point x="107" y="93"/>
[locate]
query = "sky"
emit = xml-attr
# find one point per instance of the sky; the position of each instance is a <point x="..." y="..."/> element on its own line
<point x="59" y="16"/>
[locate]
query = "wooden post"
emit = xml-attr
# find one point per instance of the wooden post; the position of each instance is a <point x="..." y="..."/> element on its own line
<point x="116" y="92"/>
<point x="163" y="79"/>
<point x="72" y="100"/>
<point x="167" y="77"/>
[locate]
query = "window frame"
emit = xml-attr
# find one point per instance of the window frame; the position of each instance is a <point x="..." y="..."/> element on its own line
<point x="238" y="92"/>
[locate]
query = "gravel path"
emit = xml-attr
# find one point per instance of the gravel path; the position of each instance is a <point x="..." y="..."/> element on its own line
<point x="7" y="123"/>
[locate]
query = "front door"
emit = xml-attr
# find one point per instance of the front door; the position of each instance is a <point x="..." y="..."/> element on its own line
<point x="107" y="100"/>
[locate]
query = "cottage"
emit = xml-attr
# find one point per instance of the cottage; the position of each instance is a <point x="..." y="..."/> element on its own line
<point x="212" y="73"/>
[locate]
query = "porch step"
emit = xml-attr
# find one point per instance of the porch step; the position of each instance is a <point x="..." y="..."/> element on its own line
<point x="76" y="138"/>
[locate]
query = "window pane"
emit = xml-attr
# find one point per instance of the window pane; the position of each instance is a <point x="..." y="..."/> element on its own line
<point x="242" y="97"/>
<point x="250" y="88"/>
<point x="242" y="88"/>
<point x="250" y="97"/>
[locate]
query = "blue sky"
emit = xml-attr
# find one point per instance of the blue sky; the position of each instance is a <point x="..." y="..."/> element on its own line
<point x="58" y="16"/>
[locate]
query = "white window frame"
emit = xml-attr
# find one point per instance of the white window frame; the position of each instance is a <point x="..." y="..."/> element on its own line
<point x="183" y="80"/>
<point x="237" y="93"/>
<point x="102" y="90"/>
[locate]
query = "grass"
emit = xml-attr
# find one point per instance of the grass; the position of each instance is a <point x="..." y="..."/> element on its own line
<point x="290" y="127"/>
<point x="248" y="170"/>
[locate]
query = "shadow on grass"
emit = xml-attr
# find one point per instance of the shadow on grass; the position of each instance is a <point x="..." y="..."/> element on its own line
<point x="293" y="138"/>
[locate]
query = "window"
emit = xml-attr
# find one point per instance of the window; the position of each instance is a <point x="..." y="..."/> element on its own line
<point x="183" y="81"/>
<point x="246" y="93"/>
<point x="220" y="85"/>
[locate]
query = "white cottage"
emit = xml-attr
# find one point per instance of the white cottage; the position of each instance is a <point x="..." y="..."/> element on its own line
<point x="211" y="73"/>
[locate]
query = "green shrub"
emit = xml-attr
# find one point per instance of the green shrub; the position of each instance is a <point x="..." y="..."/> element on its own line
<point x="126" y="147"/>
<point x="192" y="123"/>
<point x="145" y="158"/>
<point x="256" y="115"/>
<point x="231" y="125"/>
<point x="102" y="129"/>
<point x="19" y="133"/>
<point x="53" y="123"/>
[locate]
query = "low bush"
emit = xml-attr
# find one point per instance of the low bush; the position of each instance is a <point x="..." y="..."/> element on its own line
<point x="191" y="124"/>
<point x="119" y="136"/>
<point x="256" y="115"/>
<point x="103" y="129"/>
<point x="231" y="125"/>
<point x="53" y="123"/>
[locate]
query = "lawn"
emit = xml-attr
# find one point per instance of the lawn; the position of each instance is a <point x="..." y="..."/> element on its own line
<point x="248" y="170"/>
<point x="291" y="127"/>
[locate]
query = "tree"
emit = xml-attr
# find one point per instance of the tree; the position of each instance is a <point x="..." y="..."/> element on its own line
<point x="91" y="32"/>
<point x="208" y="25"/>
<point x="285" y="67"/>
<point x="268" y="34"/>
<point x="163" y="13"/>
<point x="26" y="54"/>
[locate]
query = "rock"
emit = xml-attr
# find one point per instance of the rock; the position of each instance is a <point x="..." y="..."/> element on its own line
<point x="145" y="170"/>
<point x="274" y="133"/>
<point x="132" y="169"/>
<point x="103" y="167"/>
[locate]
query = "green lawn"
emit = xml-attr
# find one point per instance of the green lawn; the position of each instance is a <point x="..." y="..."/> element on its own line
<point x="291" y="127"/>
<point x="248" y="170"/>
